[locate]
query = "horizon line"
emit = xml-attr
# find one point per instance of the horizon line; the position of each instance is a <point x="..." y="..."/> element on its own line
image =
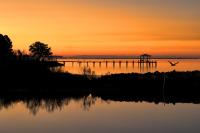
<point x="127" y="56"/>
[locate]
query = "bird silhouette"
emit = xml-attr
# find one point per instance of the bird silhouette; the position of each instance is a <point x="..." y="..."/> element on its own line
<point x="173" y="63"/>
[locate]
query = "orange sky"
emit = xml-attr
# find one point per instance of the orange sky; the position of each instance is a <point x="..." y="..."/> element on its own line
<point x="91" y="27"/>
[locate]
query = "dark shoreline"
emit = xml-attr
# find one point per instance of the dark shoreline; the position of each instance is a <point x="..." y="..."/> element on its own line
<point x="34" y="76"/>
<point x="29" y="78"/>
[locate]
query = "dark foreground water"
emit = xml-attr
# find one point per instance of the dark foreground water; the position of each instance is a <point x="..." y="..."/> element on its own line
<point x="93" y="115"/>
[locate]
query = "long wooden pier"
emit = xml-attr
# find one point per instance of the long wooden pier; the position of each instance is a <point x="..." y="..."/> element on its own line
<point x="113" y="62"/>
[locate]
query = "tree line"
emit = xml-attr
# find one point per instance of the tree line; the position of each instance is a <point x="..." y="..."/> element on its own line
<point x="37" y="51"/>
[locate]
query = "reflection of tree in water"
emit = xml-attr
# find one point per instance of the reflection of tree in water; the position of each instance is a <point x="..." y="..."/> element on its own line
<point x="88" y="102"/>
<point x="50" y="105"/>
<point x="6" y="104"/>
<point x="34" y="105"/>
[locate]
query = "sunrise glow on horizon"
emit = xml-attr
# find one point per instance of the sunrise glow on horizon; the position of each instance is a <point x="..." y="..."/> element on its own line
<point x="104" y="27"/>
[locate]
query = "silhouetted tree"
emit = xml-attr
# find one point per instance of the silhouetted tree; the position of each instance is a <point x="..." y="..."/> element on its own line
<point x="21" y="55"/>
<point x="6" y="51"/>
<point x="40" y="51"/>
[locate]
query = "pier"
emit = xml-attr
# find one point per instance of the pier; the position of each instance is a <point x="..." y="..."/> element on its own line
<point x="143" y="61"/>
<point x="97" y="62"/>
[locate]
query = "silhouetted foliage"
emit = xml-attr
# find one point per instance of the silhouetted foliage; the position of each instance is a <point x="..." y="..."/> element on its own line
<point x="89" y="73"/>
<point x="40" y="51"/>
<point x="6" y="51"/>
<point x="21" y="55"/>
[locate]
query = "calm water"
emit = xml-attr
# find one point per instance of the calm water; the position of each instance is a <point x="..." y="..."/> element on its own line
<point x="101" y="69"/>
<point x="94" y="115"/>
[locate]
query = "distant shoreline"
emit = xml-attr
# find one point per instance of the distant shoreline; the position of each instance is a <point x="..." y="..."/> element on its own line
<point x="102" y="58"/>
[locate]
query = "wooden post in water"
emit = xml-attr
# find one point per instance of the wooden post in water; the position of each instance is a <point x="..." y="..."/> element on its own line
<point x="139" y="63"/>
<point x="126" y="64"/>
<point x="106" y="64"/>
<point x="120" y="63"/>
<point x="79" y="63"/>
<point x="94" y="64"/>
<point x="113" y="63"/>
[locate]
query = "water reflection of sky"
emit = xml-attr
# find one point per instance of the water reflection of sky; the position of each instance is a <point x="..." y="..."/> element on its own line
<point x="101" y="116"/>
